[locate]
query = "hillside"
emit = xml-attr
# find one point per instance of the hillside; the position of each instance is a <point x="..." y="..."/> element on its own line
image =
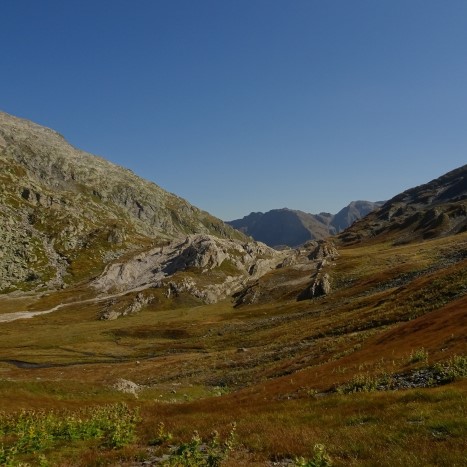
<point x="65" y="213"/>
<point x="282" y="227"/>
<point x="352" y="212"/>
<point x="289" y="227"/>
<point x="437" y="208"/>
<point x="350" y="349"/>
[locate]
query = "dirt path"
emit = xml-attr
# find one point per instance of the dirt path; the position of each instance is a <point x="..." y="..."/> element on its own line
<point x="9" y="317"/>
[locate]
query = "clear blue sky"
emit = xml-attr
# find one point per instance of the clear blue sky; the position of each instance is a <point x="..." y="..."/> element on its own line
<point x="248" y="105"/>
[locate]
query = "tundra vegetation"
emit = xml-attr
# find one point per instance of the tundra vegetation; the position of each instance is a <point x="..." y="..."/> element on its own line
<point x="372" y="372"/>
<point x="159" y="335"/>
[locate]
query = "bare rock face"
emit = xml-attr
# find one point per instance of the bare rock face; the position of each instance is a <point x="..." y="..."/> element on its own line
<point x="319" y="286"/>
<point x="204" y="266"/>
<point x="322" y="249"/>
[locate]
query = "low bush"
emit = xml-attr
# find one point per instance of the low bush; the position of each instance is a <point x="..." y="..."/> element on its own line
<point x="364" y="383"/>
<point x="319" y="459"/>
<point x="202" y="453"/>
<point x="35" y="431"/>
<point x="418" y="355"/>
<point x="452" y="369"/>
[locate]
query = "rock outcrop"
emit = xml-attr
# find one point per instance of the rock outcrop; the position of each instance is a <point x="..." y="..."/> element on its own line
<point x="322" y="250"/>
<point x="319" y="286"/>
<point x="204" y="266"/>
<point x="127" y="386"/>
<point x="112" y="310"/>
<point x="304" y="274"/>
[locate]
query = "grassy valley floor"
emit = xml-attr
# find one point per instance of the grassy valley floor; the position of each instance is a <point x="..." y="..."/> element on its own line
<point x="374" y="371"/>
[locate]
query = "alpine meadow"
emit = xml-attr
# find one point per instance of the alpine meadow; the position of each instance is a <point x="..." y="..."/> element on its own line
<point x="139" y="330"/>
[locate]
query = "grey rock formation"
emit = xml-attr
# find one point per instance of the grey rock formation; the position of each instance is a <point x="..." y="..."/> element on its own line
<point x="319" y="286"/>
<point x="206" y="267"/>
<point x="127" y="386"/>
<point x="305" y="273"/>
<point x="322" y="250"/>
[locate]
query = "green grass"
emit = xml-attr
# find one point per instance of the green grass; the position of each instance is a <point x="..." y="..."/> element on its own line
<point x="35" y="432"/>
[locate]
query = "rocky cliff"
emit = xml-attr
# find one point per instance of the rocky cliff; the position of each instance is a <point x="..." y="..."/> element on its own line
<point x="65" y="213"/>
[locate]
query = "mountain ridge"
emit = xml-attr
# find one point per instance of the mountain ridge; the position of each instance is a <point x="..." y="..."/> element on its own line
<point x="64" y="212"/>
<point x="433" y="209"/>
<point x="289" y="227"/>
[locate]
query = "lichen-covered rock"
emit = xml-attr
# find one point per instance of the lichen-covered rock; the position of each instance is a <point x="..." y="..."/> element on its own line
<point x="127" y="386"/>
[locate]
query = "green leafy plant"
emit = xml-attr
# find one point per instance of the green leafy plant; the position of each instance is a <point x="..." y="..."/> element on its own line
<point x="364" y="383"/>
<point x="162" y="436"/>
<point x="454" y="368"/>
<point x="418" y="355"/>
<point x="320" y="458"/>
<point x="34" y="431"/>
<point x="199" y="453"/>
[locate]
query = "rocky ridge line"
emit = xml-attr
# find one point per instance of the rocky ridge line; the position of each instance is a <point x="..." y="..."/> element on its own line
<point x="64" y="213"/>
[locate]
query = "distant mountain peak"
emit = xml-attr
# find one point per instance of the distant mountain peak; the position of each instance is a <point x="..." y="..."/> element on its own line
<point x="290" y="227"/>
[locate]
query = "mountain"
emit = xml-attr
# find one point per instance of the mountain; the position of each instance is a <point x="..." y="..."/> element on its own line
<point x="292" y="228"/>
<point x="351" y="213"/>
<point x="282" y="227"/>
<point x="206" y="327"/>
<point x="65" y="213"/>
<point x="437" y="208"/>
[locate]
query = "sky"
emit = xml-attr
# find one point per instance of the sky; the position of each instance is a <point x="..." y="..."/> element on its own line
<point x="248" y="105"/>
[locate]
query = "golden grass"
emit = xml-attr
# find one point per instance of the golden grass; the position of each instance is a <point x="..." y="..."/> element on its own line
<point x="267" y="361"/>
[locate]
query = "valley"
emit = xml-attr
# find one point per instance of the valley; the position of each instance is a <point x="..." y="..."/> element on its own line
<point x="133" y="324"/>
<point x="204" y="366"/>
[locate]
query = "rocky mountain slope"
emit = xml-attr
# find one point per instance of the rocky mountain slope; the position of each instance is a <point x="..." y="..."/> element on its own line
<point x="69" y="218"/>
<point x="65" y="213"/>
<point x="435" y="209"/>
<point x="290" y="227"/>
<point x="351" y="213"/>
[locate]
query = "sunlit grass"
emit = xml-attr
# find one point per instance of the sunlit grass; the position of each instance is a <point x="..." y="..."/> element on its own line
<point x="271" y="367"/>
